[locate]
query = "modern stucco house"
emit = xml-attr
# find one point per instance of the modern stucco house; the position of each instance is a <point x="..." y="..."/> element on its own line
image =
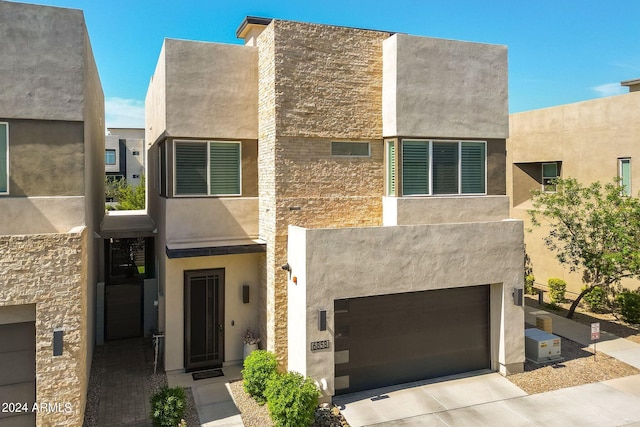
<point x="593" y="140"/>
<point x="51" y="202"/>
<point x="343" y="192"/>
<point x="124" y="154"/>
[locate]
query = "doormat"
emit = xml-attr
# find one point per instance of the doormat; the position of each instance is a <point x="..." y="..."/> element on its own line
<point x="212" y="373"/>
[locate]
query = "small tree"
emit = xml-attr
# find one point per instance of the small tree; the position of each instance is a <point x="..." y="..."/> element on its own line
<point x="594" y="229"/>
<point x="127" y="196"/>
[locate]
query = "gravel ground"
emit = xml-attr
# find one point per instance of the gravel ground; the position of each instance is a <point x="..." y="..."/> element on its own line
<point x="578" y="367"/>
<point x="254" y="415"/>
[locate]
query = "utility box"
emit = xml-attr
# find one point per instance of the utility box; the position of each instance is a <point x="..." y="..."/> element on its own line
<point x="541" y="346"/>
<point x="543" y="322"/>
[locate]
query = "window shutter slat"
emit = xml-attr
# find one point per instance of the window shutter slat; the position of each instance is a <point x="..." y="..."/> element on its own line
<point x="473" y="167"/>
<point x="191" y="168"/>
<point x="224" y="161"/>
<point x="445" y="168"/>
<point x="415" y="167"/>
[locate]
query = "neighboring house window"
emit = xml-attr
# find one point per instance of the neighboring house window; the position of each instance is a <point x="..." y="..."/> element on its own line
<point x="549" y="175"/>
<point x="4" y="158"/>
<point x="109" y="157"/>
<point x="624" y="172"/>
<point x="353" y="149"/>
<point x="443" y="167"/>
<point x="391" y="168"/>
<point x="207" y="168"/>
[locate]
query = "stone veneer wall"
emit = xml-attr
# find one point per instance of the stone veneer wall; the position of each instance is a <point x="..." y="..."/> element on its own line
<point x="317" y="84"/>
<point x="50" y="270"/>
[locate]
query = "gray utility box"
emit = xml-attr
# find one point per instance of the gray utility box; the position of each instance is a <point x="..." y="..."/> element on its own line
<point x="541" y="346"/>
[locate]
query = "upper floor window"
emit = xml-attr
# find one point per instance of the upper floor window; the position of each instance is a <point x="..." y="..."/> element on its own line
<point x="207" y="168"/>
<point x="549" y="175"/>
<point x="443" y="167"/>
<point x="353" y="149"/>
<point x="109" y="157"/>
<point x="4" y="158"/>
<point x="624" y="172"/>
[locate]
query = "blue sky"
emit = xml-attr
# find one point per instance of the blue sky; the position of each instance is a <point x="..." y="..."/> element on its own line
<point x="560" y="51"/>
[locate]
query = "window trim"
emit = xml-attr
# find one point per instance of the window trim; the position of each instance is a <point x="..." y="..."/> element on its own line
<point x="115" y="157"/>
<point x="351" y="155"/>
<point x="629" y="192"/>
<point x="208" y="170"/>
<point x="390" y="169"/>
<point x="430" y="167"/>
<point x="6" y="154"/>
<point x="543" y="177"/>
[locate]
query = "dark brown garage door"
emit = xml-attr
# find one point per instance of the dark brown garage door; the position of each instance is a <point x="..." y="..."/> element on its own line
<point x="17" y="373"/>
<point x="392" y="339"/>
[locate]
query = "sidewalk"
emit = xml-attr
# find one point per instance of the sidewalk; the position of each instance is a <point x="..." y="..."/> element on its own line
<point x="212" y="397"/>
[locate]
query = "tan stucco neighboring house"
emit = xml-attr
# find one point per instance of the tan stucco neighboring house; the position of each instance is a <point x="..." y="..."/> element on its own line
<point x="340" y="191"/>
<point x="595" y="140"/>
<point x="124" y="155"/>
<point x="51" y="200"/>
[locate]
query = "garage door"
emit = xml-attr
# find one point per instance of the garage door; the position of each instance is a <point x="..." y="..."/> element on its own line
<point x="392" y="339"/>
<point x="18" y="372"/>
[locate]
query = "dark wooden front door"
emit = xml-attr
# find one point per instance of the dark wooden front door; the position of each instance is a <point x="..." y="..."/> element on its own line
<point x="204" y="319"/>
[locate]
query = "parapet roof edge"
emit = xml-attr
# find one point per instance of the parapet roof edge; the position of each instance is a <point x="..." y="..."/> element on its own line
<point x="251" y="20"/>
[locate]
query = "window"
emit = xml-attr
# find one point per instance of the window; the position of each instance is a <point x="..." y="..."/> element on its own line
<point x="207" y="168"/>
<point x="109" y="157"/>
<point x="353" y="149"/>
<point x="443" y="167"/>
<point x="135" y="153"/>
<point x="549" y="175"/>
<point x="4" y="158"/>
<point x="391" y="167"/>
<point x="624" y="172"/>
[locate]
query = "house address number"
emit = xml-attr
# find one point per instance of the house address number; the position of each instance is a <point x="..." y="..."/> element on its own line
<point x="319" y="345"/>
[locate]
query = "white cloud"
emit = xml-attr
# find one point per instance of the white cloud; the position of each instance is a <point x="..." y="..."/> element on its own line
<point x="609" y="89"/>
<point x="124" y="113"/>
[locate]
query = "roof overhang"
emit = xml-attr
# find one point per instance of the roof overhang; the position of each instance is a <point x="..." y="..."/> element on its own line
<point x="215" y="248"/>
<point x="249" y="23"/>
<point x="127" y="224"/>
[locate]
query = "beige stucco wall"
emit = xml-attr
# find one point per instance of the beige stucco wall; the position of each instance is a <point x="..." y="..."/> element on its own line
<point x="588" y="138"/>
<point x="439" y="210"/>
<point x="211" y="89"/>
<point x="444" y="88"/>
<point x="50" y="271"/>
<point x="239" y="270"/>
<point x="41" y="65"/>
<point x="210" y="218"/>
<point x="467" y="255"/>
<point x="24" y="215"/>
<point x="155" y="105"/>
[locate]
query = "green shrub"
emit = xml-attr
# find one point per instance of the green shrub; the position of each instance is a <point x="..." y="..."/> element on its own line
<point x="292" y="399"/>
<point x="259" y="367"/>
<point x="529" y="280"/>
<point x="557" y="288"/>
<point x="167" y="407"/>
<point x="629" y="303"/>
<point x="595" y="299"/>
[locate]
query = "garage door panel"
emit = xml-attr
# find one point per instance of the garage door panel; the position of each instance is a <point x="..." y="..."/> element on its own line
<point x="412" y="336"/>
<point x="17" y="336"/>
<point x="17" y="393"/>
<point x="21" y="367"/>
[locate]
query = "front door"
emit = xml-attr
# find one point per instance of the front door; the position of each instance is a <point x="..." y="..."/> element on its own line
<point x="204" y="318"/>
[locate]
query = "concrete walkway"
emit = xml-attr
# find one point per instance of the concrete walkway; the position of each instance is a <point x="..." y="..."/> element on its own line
<point x="491" y="400"/>
<point x="212" y="397"/>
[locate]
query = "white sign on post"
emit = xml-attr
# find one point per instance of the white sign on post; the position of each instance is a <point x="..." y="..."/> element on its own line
<point x="595" y="331"/>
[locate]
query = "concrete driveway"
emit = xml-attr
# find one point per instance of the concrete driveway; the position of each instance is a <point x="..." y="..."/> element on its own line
<point x="489" y="399"/>
<point x="492" y="400"/>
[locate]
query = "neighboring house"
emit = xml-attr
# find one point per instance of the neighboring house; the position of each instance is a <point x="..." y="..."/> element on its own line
<point x="594" y="140"/>
<point x="51" y="200"/>
<point x="343" y="192"/>
<point x="124" y="154"/>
